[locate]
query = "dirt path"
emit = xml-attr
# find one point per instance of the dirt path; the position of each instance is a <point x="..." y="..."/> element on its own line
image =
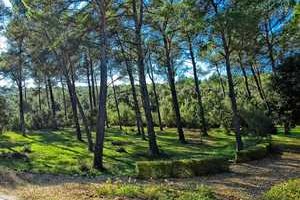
<point x="248" y="181"/>
<point x="245" y="181"/>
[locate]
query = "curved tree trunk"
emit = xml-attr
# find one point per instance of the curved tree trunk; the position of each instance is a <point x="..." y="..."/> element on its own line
<point x="197" y="89"/>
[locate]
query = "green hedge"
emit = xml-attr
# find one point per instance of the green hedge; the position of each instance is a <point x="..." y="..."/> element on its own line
<point x="285" y="191"/>
<point x="181" y="168"/>
<point x="253" y="153"/>
<point x="277" y="147"/>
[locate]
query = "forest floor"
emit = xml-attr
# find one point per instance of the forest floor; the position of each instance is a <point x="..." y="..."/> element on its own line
<point x="247" y="181"/>
<point x="56" y="158"/>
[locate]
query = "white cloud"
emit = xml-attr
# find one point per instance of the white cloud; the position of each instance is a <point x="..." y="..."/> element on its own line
<point x="6" y="3"/>
<point x="3" y="42"/>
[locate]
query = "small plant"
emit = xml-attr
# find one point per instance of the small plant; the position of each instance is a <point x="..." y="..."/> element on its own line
<point x="26" y="149"/>
<point x="83" y="166"/>
<point x="285" y="191"/>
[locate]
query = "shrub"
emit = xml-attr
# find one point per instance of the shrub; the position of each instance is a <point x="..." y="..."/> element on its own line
<point x="256" y="122"/>
<point x="4" y="114"/>
<point x="285" y="191"/>
<point x="154" y="169"/>
<point x="181" y="168"/>
<point x="253" y="153"/>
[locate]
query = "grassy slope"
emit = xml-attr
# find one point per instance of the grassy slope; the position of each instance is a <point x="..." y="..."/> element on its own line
<point x="60" y="152"/>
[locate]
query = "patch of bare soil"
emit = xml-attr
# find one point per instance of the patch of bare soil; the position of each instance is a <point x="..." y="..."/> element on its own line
<point x="246" y="181"/>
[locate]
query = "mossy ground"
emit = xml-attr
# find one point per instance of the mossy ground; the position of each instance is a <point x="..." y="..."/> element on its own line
<point x="59" y="152"/>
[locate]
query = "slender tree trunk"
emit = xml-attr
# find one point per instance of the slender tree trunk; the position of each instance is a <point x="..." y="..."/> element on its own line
<point x="197" y="89"/>
<point x="138" y="115"/>
<point x="232" y="96"/>
<point x="81" y="111"/>
<point x="106" y="119"/>
<point x="171" y="80"/>
<point x="93" y="81"/>
<point x="236" y="117"/>
<point x="53" y="106"/>
<point x="138" y="18"/>
<point x="21" y="108"/>
<point x="97" y="89"/>
<point x="220" y="80"/>
<point x="74" y="108"/>
<point x="39" y="96"/>
<point x="116" y="102"/>
<point x="100" y="126"/>
<point x="47" y="94"/>
<point x="86" y="124"/>
<point x="270" y="46"/>
<point x="259" y="88"/>
<point x="151" y="77"/>
<point x="90" y="87"/>
<point x="64" y="97"/>
<point x="245" y="77"/>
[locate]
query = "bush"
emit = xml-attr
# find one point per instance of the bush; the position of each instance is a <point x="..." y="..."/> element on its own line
<point x="256" y="122"/>
<point x="253" y="153"/>
<point x="4" y="114"/>
<point x="181" y="168"/>
<point x="285" y="191"/>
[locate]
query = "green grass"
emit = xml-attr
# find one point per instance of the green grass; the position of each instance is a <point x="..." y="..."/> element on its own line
<point x="60" y="152"/>
<point x="292" y="139"/>
<point x="154" y="191"/>
<point x="289" y="190"/>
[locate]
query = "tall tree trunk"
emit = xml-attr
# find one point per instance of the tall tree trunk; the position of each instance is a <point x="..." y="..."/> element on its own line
<point x="39" y="96"/>
<point x="259" y="88"/>
<point x="89" y="86"/>
<point x="74" y="107"/>
<point x="81" y="111"/>
<point x="47" y="94"/>
<point x="96" y="88"/>
<point x="245" y="76"/>
<point x="64" y="97"/>
<point x="116" y="101"/>
<point x="232" y="96"/>
<point x="220" y="80"/>
<point x="138" y="18"/>
<point x="21" y="108"/>
<point x="92" y="80"/>
<point x="151" y="77"/>
<point x="25" y="91"/>
<point x="270" y="45"/>
<point x="53" y="106"/>
<point x="100" y="126"/>
<point x="138" y="115"/>
<point x="236" y="117"/>
<point x="85" y="123"/>
<point x="171" y="80"/>
<point x="197" y="89"/>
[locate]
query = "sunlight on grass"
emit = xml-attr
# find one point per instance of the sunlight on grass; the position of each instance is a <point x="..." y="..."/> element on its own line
<point x="60" y="152"/>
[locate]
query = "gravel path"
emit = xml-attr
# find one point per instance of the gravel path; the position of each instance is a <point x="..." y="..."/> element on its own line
<point x="246" y="181"/>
